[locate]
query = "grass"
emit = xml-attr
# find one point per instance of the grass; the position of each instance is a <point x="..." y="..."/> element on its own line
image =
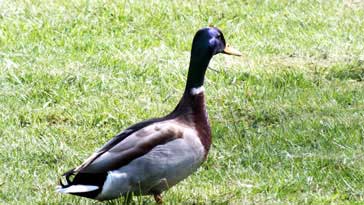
<point x="287" y="118"/>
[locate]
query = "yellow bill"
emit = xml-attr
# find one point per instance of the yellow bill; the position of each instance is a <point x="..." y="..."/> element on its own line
<point x="232" y="51"/>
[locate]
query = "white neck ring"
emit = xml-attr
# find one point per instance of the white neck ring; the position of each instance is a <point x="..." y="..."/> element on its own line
<point x="196" y="91"/>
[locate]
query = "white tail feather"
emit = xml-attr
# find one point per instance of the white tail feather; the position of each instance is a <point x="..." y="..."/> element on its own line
<point x="76" y="189"/>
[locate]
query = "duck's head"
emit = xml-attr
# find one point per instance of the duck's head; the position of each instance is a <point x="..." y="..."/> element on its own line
<point x="206" y="43"/>
<point x="211" y="41"/>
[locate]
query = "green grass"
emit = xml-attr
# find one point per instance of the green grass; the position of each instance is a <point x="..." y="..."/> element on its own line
<point x="287" y="118"/>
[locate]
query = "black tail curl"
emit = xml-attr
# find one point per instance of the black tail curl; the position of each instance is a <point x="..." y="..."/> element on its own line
<point x="79" y="178"/>
<point x="67" y="176"/>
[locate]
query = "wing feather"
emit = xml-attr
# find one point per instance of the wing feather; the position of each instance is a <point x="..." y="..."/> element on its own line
<point x="111" y="143"/>
<point x="131" y="147"/>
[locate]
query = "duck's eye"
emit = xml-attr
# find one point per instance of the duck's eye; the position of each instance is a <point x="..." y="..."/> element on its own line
<point x="219" y="36"/>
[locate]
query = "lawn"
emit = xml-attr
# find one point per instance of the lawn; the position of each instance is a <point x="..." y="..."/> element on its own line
<point x="287" y="118"/>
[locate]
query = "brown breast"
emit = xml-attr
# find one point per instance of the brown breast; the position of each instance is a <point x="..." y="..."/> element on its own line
<point x="192" y="111"/>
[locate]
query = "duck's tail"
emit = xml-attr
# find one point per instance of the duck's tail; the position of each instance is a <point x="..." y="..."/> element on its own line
<point x="82" y="184"/>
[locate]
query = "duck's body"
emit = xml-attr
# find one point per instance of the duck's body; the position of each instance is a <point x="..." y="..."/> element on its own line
<point x="152" y="156"/>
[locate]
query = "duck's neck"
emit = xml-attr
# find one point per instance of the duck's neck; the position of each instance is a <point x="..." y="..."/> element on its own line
<point x="193" y="96"/>
<point x="197" y="70"/>
<point x="194" y="89"/>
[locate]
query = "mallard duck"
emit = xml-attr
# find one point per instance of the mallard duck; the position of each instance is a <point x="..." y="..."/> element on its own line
<point x="149" y="157"/>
